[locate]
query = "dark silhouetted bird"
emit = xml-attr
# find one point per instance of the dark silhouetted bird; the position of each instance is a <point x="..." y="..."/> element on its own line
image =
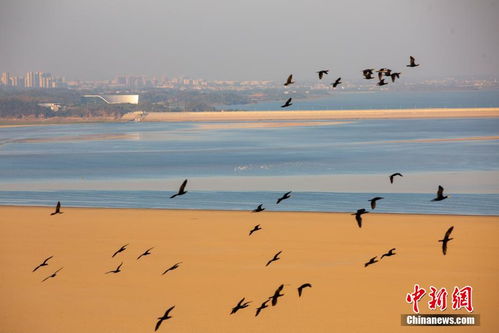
<point x="388" y="72"/>
<point x="258" y="209"/>
<point x="277" y="294"/>
<point x="381" y="82"/>
<point x="240" y="305"/>
<point x="57" y="209"/>
<point x="53" y="275"/>
<point x="440" y="194"/>
<point x="389" y="253"/>
<point x="394" y="76"/>
<point x="382" y="72"/>
<point x="172" y="268"/>
<point x="117" y="270"/>
<point x="373" y="201"/>
<point x="368" y="73"/>
<point x="121" y="249"/>
<point x="393" y="176"/>
<point x="261" y="307"/>
<point x="288" y="103"/>
<point x="412" y="62"/>
<point x="284" y="197"/>
<point x="164" y="317"/>
<point x="256" y="228"/>
<point x="358" y="216"/>
<point x="145" y="253"/>
<point x="371" y="261"/>
<point x="337" y="82"/>
<point x="446" y="240"/>
<point x="181" y="190"/>
<point x="322" y="73"/>
<point x="289" y="80"/>
<point x="44" y="263"/>
<point x="275" y="258"/>
<point x="300" y="288"/>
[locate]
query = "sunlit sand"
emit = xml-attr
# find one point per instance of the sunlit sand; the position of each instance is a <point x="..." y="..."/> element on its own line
<point x="221" y="264"/>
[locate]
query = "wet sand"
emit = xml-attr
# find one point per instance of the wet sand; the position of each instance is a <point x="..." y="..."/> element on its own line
<point x="221" y="264"/>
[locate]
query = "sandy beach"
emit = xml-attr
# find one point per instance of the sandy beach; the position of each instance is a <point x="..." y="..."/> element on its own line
<point x="316" y="114"/>
<point x="221" y="264"/>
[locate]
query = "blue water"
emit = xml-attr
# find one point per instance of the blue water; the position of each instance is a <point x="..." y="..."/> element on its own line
<point x="348" y="100"/>
<point x="175" y="151"/>
<point x="459" y="204"/>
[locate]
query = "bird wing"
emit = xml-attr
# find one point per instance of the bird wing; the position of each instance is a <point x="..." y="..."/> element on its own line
<point x="37" y="267"/>
<point x="444" y="247"/>
<point x="168" y="311"/>
<point x="182" y="187"/>
<point x="320" y="75"/>
<point x="119" y="266"/>
<point x="447" y="234"/>
<point x="57" y="271"/>
<point x="290" y="78"/>
<point x="440" y="192"/>
<point x="358" y="218"/>
<point x="289" y="100"/>
<point x="58" y="205"/>
<point x="277" y="255"/>
<point x="45" y="261"/>
<point x="158" y="324"/>
<point x="412" y="60"/>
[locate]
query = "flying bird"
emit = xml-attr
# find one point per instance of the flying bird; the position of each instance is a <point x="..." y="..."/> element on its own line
<point x="373" y="201"/>
<point x="371" y="261"/>
<point x="277" y="294"/>
<point x="322" y="72"/>
<point x="275" y="258"/>
<point x="284" y="197"/>
<point x="181" y="190"/>
<point x="256" y="228"/>
<point x="382" y="73"/>
<point x="53" y="275"/>
<point x="440" y="194"/>
<point x="289" y="80"/>
<point x="258" y="209"/>
<point x="393" y="176"/>
<point x="389" y="253"/>
<point x="241" y="305"/>
<point x="395" y="75"/>
<point x="382" y="82"/>
<point x="117" y="270"/>
<point x="358" y="216"/>
<point x="164" y="317"/>
<point x="446" y="240"/>
<point x="57" y="209"/>
<point x="261" y="307"/>
<point x="174" y="267"/>
<point x="300" y="288"/>
<point x="146" y="253"/>
<point x="412" y="62"/>
<point x="337" y="82"/>
<point x="123" y="248"/>
<point x="288" y="103"/>
<point x="368" y="73"/>
<point x="44" y="263"/>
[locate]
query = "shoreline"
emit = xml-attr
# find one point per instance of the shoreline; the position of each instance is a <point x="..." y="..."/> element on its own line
<point x="237" y="211"/>
<point x="295" y="115"/>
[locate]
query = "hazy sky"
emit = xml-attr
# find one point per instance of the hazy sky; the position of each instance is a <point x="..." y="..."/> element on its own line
<point x="250" y="39"/>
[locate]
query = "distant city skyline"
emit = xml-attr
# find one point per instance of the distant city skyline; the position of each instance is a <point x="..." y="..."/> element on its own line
<point x="250" y="40"/>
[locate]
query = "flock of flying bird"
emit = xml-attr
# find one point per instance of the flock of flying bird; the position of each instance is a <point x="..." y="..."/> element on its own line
<point x="367" y="73"/>
<point x="242" y="304"/>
